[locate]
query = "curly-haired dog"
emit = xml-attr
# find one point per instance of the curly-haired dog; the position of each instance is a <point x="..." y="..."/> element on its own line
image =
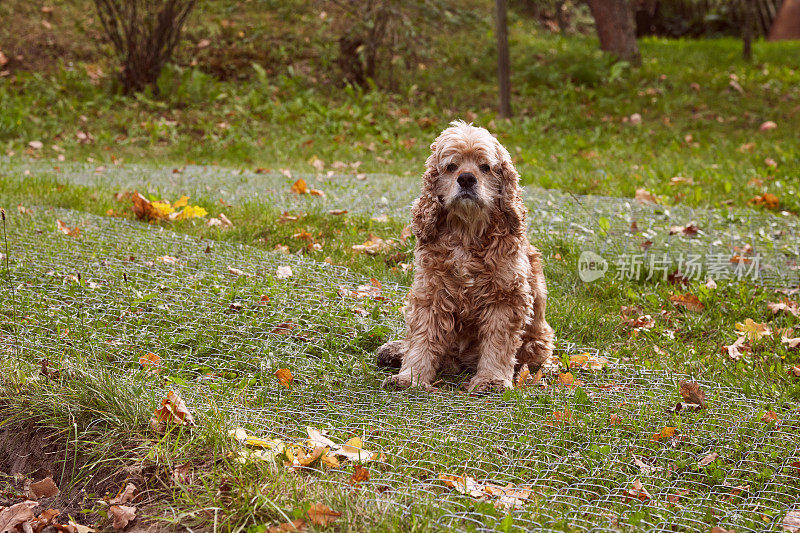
<point x="478" y="297"/>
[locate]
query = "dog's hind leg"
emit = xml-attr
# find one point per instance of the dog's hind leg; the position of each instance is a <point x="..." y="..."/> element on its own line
<point x="390" y="355"/>
<point x="537" y="339"/>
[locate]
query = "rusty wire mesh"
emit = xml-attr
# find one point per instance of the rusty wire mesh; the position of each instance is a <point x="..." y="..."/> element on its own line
<point x="146" y="289"/>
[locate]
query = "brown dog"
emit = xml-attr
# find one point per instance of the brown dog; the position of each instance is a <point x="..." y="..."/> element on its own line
<point x="478" y="297"/>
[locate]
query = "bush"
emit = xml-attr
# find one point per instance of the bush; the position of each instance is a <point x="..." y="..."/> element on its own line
<point x="144" y="34"/>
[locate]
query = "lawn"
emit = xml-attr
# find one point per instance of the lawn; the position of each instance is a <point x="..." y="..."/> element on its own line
<point x="124" y="310"/>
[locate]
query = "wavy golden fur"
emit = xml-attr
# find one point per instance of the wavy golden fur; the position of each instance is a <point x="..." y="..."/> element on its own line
<point x="478" y="297"/>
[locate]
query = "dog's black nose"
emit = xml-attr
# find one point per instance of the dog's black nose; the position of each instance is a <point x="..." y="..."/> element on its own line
<point x="467" y="180"/>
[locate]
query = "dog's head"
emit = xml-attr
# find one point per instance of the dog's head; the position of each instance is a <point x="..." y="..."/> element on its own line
<point x="470" y="182"/>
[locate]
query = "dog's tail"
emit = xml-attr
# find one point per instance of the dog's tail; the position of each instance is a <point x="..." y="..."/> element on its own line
<point x="390" y="355"/>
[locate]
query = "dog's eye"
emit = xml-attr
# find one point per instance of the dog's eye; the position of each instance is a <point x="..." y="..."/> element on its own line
<point x="452" y="167"/>
<point x="485" y="168"/>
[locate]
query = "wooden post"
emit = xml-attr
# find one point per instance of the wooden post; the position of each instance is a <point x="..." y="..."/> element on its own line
<point x="503" y="61"/>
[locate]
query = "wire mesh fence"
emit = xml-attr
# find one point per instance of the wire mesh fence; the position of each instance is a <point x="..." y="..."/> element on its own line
<point x="223" y="318"/>
<point x="636" y="240"/>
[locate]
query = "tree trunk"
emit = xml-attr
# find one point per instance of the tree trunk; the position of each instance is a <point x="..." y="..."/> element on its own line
<point x="787" y="22"/>
<point x="615" y="28"/>
<point x="748" y="22"/>
<point x="503" y="61"/>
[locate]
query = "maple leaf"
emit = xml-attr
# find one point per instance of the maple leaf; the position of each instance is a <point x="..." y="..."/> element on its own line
<point x="360" y="475"/>
<point x="786" y="305"/>
<point x="285" y="377"/>
<point x="643" y="196"/>
<point x="122" y="515"/>
<point x="692" y="393"/>
<point x="637" y="492"/>
<point x="752" y="330"/>
<point x="173" y="411"/>
<point x="689" y="301"/>
<point x="151" y="362"/>
<point x="66" y="230"/>
<point x="665" y="433"/>
<point x="322" y="515"/>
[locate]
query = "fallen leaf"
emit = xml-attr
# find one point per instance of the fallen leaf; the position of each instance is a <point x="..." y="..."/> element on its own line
<point x="711" y="284"/>
<point x="637" y="492"/>
<point x="66" y="230"/>
<point x="524" y="378"/>
<point x="167" y="259"/>
<point x="769" y="416"/>
<point x="283" y="272"/>
<point x="767" y="126"/>
<point x="665" y="433"/>
<point x="354" y="450"/>
<point x="13" y="516"/>
<point x="360" y="474"/>
<point x="36" y="145"/>
<point x="794" y="371"/>
<point x="690" y="229"/>
<point x="300" y="187"/>
<point x="284" y="328"/>
<point x="718" y="529"/>
<point x="645" y="468"/>
<point x="122" y="515"/>
<point x="125" y="495"/>
<point x="322" y="515"/>
<point x="708" y="459"/>
<point x="173" y="411"/>
<point x="791" y="343"/>
<point x="338" y="212"/>
<point x="643" y="196"/>
<point x="786" y="305"/>
<point x="692" y="393"/>
<point x="44" y="488"/>
<point x="150" y="362"/>
<point x="373" y="246"/>
<point x="587" y="361"/>
<point x="235" y="271"/>
<point x="768" y="200"/>
<point x="735" y="350"/>
<point x="285" y="377"/>
<point x="689" y="301"/>
<point x="752" y="330"/>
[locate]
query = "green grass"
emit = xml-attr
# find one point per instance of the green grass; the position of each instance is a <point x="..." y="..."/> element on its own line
<point x="568" y="134"/>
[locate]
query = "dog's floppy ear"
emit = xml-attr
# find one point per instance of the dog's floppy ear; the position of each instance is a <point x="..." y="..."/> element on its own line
<point x="427" y="209"/>
<point x="510" y="200"/>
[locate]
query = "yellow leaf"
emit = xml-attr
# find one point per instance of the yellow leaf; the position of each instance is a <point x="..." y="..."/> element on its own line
<point x="182" y="201"/>
<point x="285" y="377"/>
<point x="665" y="433"/>
<point x="162" y="209"/>
<point x="192" y="211"/>
<point x="300" y="187"/>
<point x="753" y="330"/>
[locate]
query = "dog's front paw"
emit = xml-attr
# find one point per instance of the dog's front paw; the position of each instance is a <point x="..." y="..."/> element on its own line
<point x="482" y="385"/>
<point x="398" y="382"/>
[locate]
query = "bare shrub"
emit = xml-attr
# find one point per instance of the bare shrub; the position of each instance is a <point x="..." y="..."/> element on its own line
<point x="144" y="34"/>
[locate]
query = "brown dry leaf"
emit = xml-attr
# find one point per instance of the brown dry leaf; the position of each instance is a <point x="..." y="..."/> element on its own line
<point x="122" y="515"/>
<point x="284" y="328"/>
<point x="300" y="187"/>
<point x="689" y="301"/>
<point x="769" y="416"/>
<point x="791" y="343"/>
<point x="718" y="529"/>
<point x="690" y="229"/>
<point x="142" y="207"/>
<point x="182" y="474"/>
<point x="676" y="497"/>
<point x="614" y="420"/>
<point x="337" y="212"/>
<point x="24" y="210"/>
<point x="44" y="519"/>
<point x="645" y="468"/>
<point x="645" y="197"/>
<point x="322" y="515"/>
<point x="752" y="330"/>
<point x="150" y="362"/>
<point x="373" y="246"/>
<point x="560" y="417"/>
<point x="587" y="361"/>
<point x="666" y="433"/>
<point x="692" y="393"/>
<point x="637" y="492"/>
<point x="66" y="230"/>
<point x="13" y="516"/>
<point x="294" y="525"/>
<point x="791" y="522"/>
<point x="285" y="377"/>
<point x="768" y="200"/>
<point x="360" y="475"/>
<point x="173" y="411"/>
<point x="316" y="192"/>
<point x="44" y="488"/>
<point x="566" y="379"/>
<point x="708" y="459"/>
<point x="524" y="378"/>
<point x="125" y="495"/>
<point x="786" y="305"/>
<point x="304" y="459"/>
<point x="794" y="371"/>
<point x="735" y="350"/>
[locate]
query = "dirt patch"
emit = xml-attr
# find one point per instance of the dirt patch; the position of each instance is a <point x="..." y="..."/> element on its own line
<point x="28" y="451"/>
